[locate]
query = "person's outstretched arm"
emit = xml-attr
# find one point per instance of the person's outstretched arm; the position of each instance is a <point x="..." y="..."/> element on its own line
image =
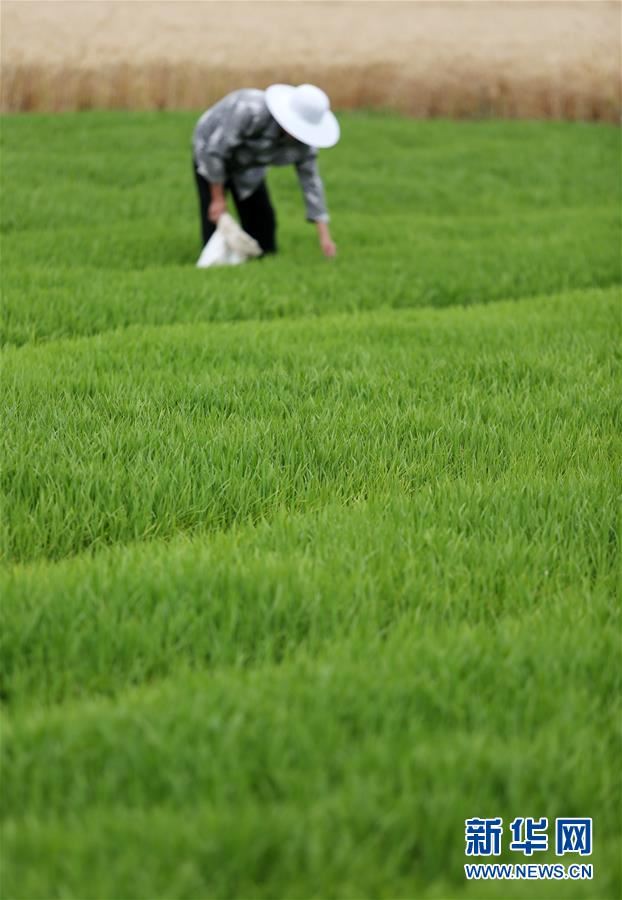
<point x="315" y="203"/>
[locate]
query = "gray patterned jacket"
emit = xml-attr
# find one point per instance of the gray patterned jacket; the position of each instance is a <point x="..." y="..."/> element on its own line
<point x="237" y="138"/>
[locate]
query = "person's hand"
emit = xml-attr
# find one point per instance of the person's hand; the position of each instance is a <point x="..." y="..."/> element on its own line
<point x="216" y="208"/>
<point x="329" y="248"/>
<point x="326" y="242"/>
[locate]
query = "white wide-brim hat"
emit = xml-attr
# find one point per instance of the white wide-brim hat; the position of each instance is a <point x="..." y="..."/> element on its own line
<point x="304" y="112"/>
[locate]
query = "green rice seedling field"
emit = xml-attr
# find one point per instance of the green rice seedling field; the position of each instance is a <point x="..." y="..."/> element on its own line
<point x="306" y="562"/>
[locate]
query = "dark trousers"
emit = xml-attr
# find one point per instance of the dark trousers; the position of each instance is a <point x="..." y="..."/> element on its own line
<point x="257" y="216"/>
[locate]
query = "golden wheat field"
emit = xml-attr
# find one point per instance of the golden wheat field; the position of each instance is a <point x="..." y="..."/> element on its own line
<point x="531" y="59"/>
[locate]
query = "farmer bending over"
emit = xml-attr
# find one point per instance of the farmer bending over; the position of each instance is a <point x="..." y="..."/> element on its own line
<point x="248" y="130"/>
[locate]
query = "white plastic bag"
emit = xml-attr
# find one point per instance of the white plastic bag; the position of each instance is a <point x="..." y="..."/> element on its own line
<point x="228" y="246"/>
